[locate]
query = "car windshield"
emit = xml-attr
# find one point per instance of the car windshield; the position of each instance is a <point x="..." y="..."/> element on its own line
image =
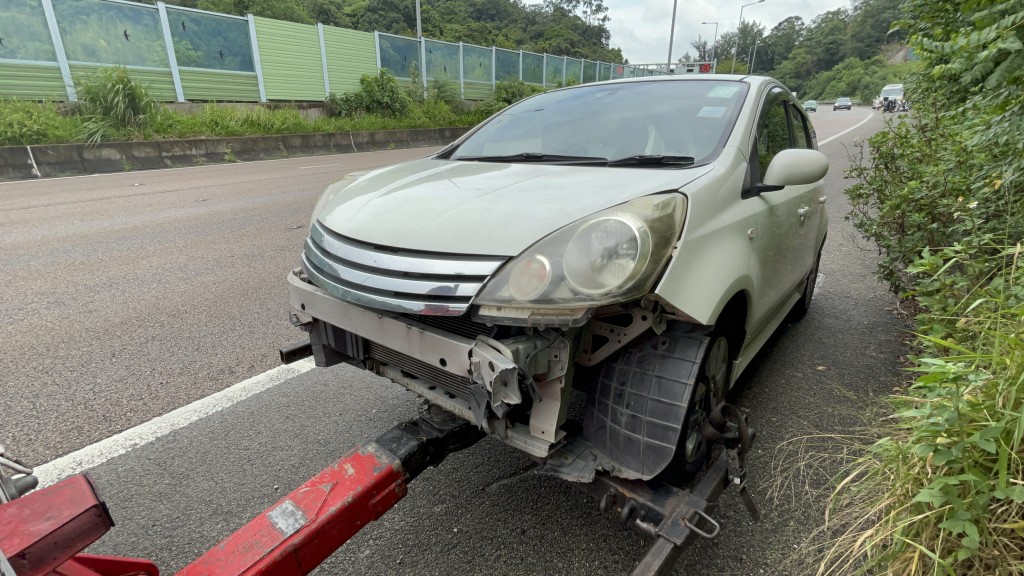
<point x="890" y="91"/>
<point x="810" y="102"/>
<point x="843" y="101"/>
<point x="682" y="122"/>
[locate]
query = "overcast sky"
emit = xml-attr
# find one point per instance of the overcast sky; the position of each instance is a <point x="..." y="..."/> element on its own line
<point x="641" y="27"/>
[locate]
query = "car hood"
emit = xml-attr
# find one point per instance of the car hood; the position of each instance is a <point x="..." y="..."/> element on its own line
<point x="482" y="208"/>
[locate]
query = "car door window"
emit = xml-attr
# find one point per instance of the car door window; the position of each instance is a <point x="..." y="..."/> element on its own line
<point x="801" y="134"/>
<point x="772" y="131"/>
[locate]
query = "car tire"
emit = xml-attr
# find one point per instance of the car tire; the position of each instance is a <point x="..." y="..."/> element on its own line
<point x="803" y="305"/>
<point x="693" y="451"/>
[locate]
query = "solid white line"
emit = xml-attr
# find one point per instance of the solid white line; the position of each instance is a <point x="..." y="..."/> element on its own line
<point x="831" y="138"/>
<point x="317" y="166"/>
<point x="98" y="453"/>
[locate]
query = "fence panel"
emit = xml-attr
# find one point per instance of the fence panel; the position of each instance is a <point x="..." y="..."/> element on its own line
<point x="290" y="58"/>
<point x="398" y="55"/>
<point x="554" y="66"/>
<point x="28" y="62"/>
<point x="350" y="55"/>
<point x="506" y="65"/>
<point x="533" y="68"/>
<point x="214" y="54"/>
<point x="442" y="61"/>
<point x="97" y="33"/>
<point x="476" y="70"/>
<point x="100" y="32"/>
<point x="572" y="71"/>
<point x="590" y="71"/>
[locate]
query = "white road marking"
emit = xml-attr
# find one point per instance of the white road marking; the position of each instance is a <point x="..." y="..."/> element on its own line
<point x="831" y="138"/>
<point x="98" y="453"/>
<point x="317" y="166"/>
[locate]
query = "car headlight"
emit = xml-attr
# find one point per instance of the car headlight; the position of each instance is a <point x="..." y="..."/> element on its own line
<point x="613" y="256"/>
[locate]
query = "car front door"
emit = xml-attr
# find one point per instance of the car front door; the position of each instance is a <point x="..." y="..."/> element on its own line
<point x="783" y="257"/>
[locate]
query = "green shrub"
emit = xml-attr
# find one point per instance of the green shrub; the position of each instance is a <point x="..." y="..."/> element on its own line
<point x="31" y="123"/>
<point x="941" y="492"/>
<point x="113" y="106"/>
<point x="378" y="94"/>
<point x="506" y="93"/>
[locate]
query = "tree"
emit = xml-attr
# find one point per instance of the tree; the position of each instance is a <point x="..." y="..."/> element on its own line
<point x="703" y="49"/>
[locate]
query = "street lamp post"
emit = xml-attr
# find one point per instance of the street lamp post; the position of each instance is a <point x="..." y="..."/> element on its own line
<point x="714" y="63"/>
<point x="737" y="47"/>
<point x="671" y="36"/>
<point x="419" y="23"/>
<point x="757" y="40"/>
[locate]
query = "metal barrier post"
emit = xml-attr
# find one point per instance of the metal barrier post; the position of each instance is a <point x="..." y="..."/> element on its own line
<point x="494" y="73"/>
<point x="462" y="74"/>
<point x="172" y="58"/>
<point x="323" y="58"/>
<point x="58" y="48"/>
<point x="423" y="64"/>
<point x="256" y="57"/>
<point x="544" y="71"/>
<point x="520" y="65"/>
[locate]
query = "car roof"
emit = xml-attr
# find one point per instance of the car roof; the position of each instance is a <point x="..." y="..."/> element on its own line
<point x="754" y="81"/>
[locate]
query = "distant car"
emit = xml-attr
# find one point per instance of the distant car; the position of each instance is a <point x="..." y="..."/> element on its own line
<point x="810" y="106"/>
<point x="892" y="98"/>
<point x="843" y="103"/>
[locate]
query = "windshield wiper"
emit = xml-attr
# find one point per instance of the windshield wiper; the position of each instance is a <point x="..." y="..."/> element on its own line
<point x="536" y="157"/>
<point x="653" y="160"/>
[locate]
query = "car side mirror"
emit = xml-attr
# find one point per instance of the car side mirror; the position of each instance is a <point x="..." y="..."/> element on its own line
<point x="794" y="167"/>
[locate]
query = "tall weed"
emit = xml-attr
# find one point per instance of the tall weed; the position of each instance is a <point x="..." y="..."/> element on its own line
<point x="31" y="123"/>
<point x="943" y="491"/>
<point x="115" y="106"/>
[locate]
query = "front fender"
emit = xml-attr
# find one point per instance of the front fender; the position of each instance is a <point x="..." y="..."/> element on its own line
<point x="715" y="258"/>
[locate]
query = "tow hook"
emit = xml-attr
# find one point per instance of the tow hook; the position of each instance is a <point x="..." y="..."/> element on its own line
<point x="674" y="516"/>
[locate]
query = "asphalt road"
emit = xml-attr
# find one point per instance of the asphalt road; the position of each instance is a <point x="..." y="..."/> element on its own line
<point x="128" y="295"/>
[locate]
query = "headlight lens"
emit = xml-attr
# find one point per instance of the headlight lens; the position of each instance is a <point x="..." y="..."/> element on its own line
<point x="612" y="256"/>
<point x="606" y="253"/>
<point x="529" y="277"/>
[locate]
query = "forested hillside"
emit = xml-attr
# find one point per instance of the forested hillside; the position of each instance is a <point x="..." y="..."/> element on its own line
<point x="842" y="52"/>
<point x="575" y="28"/>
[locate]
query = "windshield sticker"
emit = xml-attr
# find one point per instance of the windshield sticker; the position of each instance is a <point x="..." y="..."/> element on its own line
<point x="721" y="91"/>
<point x="711" y="112"/>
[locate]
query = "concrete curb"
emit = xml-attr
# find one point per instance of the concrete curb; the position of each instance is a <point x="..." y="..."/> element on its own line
<point x="16" y="162"/>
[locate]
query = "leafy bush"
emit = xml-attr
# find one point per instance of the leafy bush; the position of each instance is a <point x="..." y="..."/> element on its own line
<point x="30" y="123"/>
<point x="506" y="93"/>
<point x="113" y="105"/>
<point x="942" y="491"/>
<point x="378" y="94"/>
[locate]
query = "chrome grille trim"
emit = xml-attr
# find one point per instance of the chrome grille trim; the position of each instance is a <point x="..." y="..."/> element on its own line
<point x="396" y="281"/>
<point x="407" y="262"/>
<point x="378" y="281"/>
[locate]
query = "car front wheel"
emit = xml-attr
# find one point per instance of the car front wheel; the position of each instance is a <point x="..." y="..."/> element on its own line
<point x="694" y="451"/>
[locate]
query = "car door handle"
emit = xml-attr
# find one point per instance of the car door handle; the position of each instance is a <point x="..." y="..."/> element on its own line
<point x="822" y="199"/>
<point x="802" y="212"/>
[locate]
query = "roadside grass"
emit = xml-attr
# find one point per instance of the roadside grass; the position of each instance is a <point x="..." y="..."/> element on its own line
<point x="115" y="108"/>
<point x="937" y="487"/>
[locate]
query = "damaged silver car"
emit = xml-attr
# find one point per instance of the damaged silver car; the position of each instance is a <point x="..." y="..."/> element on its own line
<point x="636" y="241"/>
